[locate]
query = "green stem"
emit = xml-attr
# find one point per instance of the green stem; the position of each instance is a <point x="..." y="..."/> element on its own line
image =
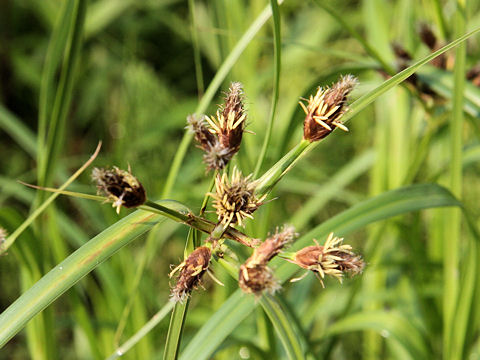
<point x="452" y="231"/>
<point x="276" y="84"/>
<point x="140" y="334"/>
<point x="268" y="180"/>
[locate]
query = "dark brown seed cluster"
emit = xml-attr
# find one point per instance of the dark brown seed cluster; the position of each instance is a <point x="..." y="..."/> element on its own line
<point x="220" y="137"/>
<point x="191" y="272"/>
<point x="325" y="109"/>
<point x="333" y="258"/>
<point x="254" y="275"/>
<point x="120" y="187"/>
<point x="235" y="200"/>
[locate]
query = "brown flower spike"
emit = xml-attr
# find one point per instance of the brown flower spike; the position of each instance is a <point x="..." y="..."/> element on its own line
<point x="191" y="272"/>
<point x="254" y="275"/>
<point x="235" y="200"/>
<point x="325" y="109"/>
<point x="220" y="137"/>
<point x="120" y="186"/>
<point x="332" y="259"/>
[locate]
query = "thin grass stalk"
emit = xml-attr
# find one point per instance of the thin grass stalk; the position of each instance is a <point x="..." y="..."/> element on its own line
<point x="277" y="64"/>
<point x="370" y="50"/>
<point x="452" y="233"/>
<point x="196" y="49"/>
<point x="365" y="100"/>
<point x="140" y="334"/>
<point x="63" y="96"/>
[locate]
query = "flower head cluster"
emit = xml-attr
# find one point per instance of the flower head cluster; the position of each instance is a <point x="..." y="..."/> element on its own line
<point x="254" y="275"/>
<point x="191" y="272"/>
<point x="325" y="109"/>
<point x="120" y="187"/>
<point x="235" y="199"/>
<point x="220" y="137"/>
<point x="332" y="259"/>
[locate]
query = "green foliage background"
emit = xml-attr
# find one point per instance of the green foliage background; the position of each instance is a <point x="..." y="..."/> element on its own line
<point x="129" y="72"/>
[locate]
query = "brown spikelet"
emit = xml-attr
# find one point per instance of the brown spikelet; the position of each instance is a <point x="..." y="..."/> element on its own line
<point x="120" y="186"/>
<point x="254" y="275"/>
<point x="220" y="137"/>
<point x="332" y="259"/>
<point x="235" y="199"/>
<point x="255" y="279"/>
<point x="325" y="109"/>
<point x="191" y="272"/>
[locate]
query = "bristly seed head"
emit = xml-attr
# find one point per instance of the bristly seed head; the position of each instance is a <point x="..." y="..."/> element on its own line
<point x="235" y="200"/>
<point x="325" y="109"/>
<point x="191" y="272"/>
<point x="220" y="137"/>
<point x="332" y="259"/>
<point x="272" y="246"/>
<point x="254" y="275"/>
<point x="254" y="280"/>
<point x="120" y="187"/>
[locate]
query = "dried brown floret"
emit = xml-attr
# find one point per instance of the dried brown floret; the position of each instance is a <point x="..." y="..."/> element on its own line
<point x="235" y="200"/>
<point x="229" y="123"/>
<point x="254" y="275"/>
<point x="255" y="279"/>
<point x="325" y="109"/>
<point x="120" y="186"/>
<point x="332" y="259"/>
<point x="271" y="246"/>
<point x="220" y="137"/>
<point x="199" y="127"/>
<point x="191" y="272"/>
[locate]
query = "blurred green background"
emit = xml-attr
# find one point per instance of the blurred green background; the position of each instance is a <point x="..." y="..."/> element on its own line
<point x="129" y="72"/>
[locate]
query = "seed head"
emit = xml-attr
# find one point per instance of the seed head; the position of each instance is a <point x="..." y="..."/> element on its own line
<point x="191" y="272"/>
<point x="332" y="259"/>
<point x="255" y="279"/>
<point x="235" y="200"/>
<point x="120" y="187"/>
<point x="254" y="275"/>
<point x="229" y="123"/>
<point x="203" y="135"/>
<point x="271" y="246"/>
<point x="325" y="109"/>
<point x="220" y="137"/>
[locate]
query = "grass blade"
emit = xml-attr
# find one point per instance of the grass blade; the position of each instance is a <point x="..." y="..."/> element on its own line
<point x="18" y="131"/>
<point x="277" y="64"/>
<point x="283" y="326"/>
<point x="71" y="270"/>
<point x="365" y="100"/>
<point x="391" y="324"/>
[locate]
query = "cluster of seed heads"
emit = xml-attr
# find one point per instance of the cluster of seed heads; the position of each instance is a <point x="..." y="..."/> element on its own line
<point x="236" y="198"/>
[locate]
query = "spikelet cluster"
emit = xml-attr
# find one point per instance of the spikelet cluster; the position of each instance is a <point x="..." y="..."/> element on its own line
<point x="333" y="259"/>
<point x="191" y="272"/>
<point x="325" y="109"/>
<point x="220" y="136"/>
<point x="119" y="186"/>
<point x="254" y="275"/>
<point x="235" y="199"/>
